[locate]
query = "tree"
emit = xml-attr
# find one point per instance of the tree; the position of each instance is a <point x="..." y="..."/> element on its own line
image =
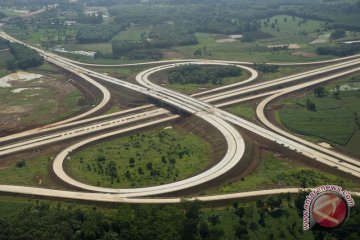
<point x="204" y="230"/>
<point x="12" y="65"/>
<point x="336" y="94"/>
<point x="214" y="219"/>
<point x="241" y="232"/>
<point x="2" y="15"/>
<point x="320" y="92"/>
<point x="310" y="105"/>
<point x="240" y="212"/>
<point x="20" y="164"/>
<point x="149" y="166"/>
<point x="132" y="162"/>
<point x="338" y="34"/>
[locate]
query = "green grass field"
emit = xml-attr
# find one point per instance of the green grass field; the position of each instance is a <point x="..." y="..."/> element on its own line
<point x="277" y="172"/>
<point x="123" y="71"/>
<point x="333" y="121"/>
<point x="34" y="173"/>
<point x="283" y="71"/>
<point x="243" y="110"/>
<point x="132" y="34"/>
<point x="253" y="52"/>
<point x="11" y="12"/>
<point x="291" y="30"/>
<point x="144" y="159"/>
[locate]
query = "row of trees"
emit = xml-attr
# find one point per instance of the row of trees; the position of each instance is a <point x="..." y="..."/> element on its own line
<point x="135" y="50"/>
<point x="340" y="51"/>
<point x="202" y="74"/>
<point x="266" y="68"/>
<point x="98" y="33"/>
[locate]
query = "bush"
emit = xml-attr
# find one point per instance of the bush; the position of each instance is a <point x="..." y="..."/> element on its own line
<point x="20" y="164"/>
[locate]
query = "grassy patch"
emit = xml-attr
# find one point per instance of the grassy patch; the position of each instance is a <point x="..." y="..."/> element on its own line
<point x="333" y="120"/>
<point x="276" y="172"/>
<point x="243" y="110"/>
<point x="283" y="71"/>
<point x="123" y="71"/>
<point x="237" y="50"/>
<point x="33" y="173"/>
<point x="132" y="34"/>
<point x="143" y="159"/>
<point x="104" y="48"/>
<point x="288" y="29"/>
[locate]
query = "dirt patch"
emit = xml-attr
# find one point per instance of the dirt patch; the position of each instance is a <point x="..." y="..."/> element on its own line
<point x="303" y="54"/>
<point x="27" y="105"/>
<point x="325" y="145"/>
<point x="172" y="54"/>
<point x="18" y="76"/>
<point x="288" y="46"/>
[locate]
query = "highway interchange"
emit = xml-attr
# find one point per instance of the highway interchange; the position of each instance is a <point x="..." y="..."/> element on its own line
<point x="205" y="105"/>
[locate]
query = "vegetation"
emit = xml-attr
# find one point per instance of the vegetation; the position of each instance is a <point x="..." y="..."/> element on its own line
<point x="29" y="172"/>
<point x="202" y="74"/>
<point x="340" y="51"/>
<point x="98" y="33"/>
<point x="144" y="159"/>
<point x="243" y="110"/>
<point x="266" y="67"/>
<point x="173" y="30"/>
<point x="135" y="50"/>
<point x="338" y="34"/>
<point x="23" y="57"/>
<point x="276" y="217"/>
<point x="328" y="114"/>
<point x="33" y="105"/>
<point x="277" y="171"/>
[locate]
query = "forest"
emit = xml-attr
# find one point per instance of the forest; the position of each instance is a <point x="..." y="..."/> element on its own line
<point x="38" y="220"/>
<point x="24" y="57"/>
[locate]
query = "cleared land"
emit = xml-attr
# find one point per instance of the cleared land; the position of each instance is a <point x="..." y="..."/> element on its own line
<point x="38" y="101"/>
<point x="142" y="159"/>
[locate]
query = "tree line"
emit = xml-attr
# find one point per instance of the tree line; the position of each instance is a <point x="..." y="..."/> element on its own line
<point x="98" y="33"/>
<point x="186" y="221"/>
<point x="340" y="51"/>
